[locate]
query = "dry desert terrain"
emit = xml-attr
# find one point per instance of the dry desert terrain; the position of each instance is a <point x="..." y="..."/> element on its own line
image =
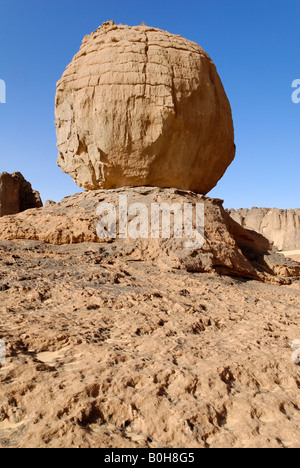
<point x="107" y="352"/>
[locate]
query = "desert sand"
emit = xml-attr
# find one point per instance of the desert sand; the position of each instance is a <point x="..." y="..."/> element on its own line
<point x="106" y="352"/>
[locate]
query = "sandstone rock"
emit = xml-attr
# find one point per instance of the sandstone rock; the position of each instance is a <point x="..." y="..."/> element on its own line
<point x="282" y="227"/>
<point x="139" y="106"/>
<point x="293" y="254"/>
<point x="16" y="194"/>
<point x="49" y="203"/>
<point x="228" y="248"/>
<point x="9" y="194"/>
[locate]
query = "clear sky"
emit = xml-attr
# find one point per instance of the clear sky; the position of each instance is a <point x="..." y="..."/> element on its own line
<point x="254" y="44"/>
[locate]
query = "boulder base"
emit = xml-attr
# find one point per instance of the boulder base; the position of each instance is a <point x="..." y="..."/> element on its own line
<point x="228" y="248"/>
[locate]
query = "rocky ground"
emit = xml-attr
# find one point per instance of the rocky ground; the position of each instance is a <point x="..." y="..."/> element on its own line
<point x="108" y="351"/>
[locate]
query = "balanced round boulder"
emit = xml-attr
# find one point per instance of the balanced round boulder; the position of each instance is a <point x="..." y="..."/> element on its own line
<point x="140" y="106"/>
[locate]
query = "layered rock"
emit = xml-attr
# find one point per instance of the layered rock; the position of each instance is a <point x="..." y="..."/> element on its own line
<point x="228" y="248"/>
<point x="141" y="107"/>
<point x="16" y="194"/>
<point x="282" y="227"/>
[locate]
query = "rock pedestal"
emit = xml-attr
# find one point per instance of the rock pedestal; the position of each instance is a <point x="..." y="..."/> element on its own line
<point x="228" y="248"/>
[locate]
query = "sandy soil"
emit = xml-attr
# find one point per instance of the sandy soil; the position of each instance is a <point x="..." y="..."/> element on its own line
<point x="106" y="352"/>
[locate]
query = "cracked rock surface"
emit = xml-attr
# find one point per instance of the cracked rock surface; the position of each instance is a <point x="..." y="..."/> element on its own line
<point x="103" y="351"/>
<point x="140" y="106"/>
<point x="228" y="248"/>
<point x="141" y="342"/>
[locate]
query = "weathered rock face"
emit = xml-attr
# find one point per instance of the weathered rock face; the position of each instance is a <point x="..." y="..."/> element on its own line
<point x="9" y="194"/>
<point x="282" y="227"/>
<point x="16" y="194"/>
<point x="139" y="106"/>
<point x="228" y="248"/>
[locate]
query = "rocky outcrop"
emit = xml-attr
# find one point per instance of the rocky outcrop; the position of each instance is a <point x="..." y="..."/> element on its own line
<point x="9" y="194"/>
<point x="16" y="194"/>
<point x="228" y="248"/>
<point x="141" y="107"/>
<point x="49" y="203"/>
<point x="282" y="227"/>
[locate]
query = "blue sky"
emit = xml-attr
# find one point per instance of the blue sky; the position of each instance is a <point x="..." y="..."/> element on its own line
<point x="254" y="44"/>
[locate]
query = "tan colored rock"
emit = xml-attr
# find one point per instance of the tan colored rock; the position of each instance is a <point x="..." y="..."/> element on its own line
<point x="16" y="194"/>
<point x="50" y="203"/>
<point x="282" y="227"/>
<point x="228" y="248"/>
<point x="293" y="254"/>
<point x="139" y="106"/>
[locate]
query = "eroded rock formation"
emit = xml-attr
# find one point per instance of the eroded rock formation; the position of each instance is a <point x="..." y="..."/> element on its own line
<point x="282" y="227"/>
<point x="228" y="248"/>
<point x="141" y="107"/>
<point x="16" y="194"/>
